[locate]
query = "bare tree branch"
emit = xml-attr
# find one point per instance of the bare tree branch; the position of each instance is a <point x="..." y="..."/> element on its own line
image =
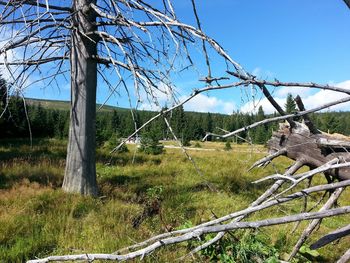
<point x="347" y="2"/>
<point x="306" y="118"/>
<point x="333" y="236"/>
<point x="34" y="61"/>
<point x="255" y="81"/>
<point x="268" y="158"/>
<point x="35" y="3"/>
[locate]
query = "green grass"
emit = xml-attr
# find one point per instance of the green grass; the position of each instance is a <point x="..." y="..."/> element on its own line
<point x="38" y="219"/>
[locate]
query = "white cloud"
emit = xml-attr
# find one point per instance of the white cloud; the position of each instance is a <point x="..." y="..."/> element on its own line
<point x="326" y="96"/>
<point x="301" y="91"/>
<point x="165" y="95"/>
<point x="203" y="103"/>
<point x="200" y="103"/>
<point x="310" y="100"/>
<point x="228" y="107"/>
<point x="252" y="106"/>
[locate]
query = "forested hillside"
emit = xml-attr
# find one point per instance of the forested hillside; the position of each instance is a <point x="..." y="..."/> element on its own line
<point x="50" y="119"/>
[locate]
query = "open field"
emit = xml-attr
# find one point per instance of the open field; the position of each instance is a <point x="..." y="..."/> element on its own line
<point x="65" y="105"/>
<point x="217" y="146"/>
<point x="38" y="219"/>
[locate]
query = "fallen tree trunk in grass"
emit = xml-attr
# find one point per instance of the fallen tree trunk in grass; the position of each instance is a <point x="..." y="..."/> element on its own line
<point x="307" y="146"/>
<point x="312" y="150"/>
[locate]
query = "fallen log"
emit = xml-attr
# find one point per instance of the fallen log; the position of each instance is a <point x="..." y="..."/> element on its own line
<point x="313" y="150"/>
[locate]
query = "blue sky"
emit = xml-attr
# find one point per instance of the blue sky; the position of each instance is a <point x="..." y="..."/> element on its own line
<point x="289" y="40"/>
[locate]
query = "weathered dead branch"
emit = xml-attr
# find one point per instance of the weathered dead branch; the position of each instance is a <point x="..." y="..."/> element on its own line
<point x="322" y="153"/>
<point x="333" y="236"/>
<point x="268" y="159"/>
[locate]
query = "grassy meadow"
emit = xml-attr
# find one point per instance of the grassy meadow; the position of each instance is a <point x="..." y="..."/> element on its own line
<point x="65" y="105"/>
<point x="38" y="219"/>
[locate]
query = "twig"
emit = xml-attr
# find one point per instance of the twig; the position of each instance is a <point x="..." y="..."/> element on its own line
<point x="339" y="233"/>
<point x="268" y="158"/>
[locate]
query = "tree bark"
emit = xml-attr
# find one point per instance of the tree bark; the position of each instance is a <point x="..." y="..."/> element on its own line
<point x="312" y="150"/>
<point x="80" y="172"/>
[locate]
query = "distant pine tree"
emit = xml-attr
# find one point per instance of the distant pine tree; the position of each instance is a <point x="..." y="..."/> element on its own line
<point x="260" y="133"/>
<point x="180" y="126"/>
<point x="3" y="100"/>
<point x="115" y="122"/>
<point x="208" y="123"/>
<point x="261" y="114"/>
<point x="290" y="106"/>
<point x="150" y="141"/>
<point x="331" y="124"/>
<point x="3" y="93"/>
<point x="16" y="118"/>
<point x="38" y="122"/>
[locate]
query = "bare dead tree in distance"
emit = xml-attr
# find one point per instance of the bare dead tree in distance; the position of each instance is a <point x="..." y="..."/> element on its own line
<point x="131" y="38"/>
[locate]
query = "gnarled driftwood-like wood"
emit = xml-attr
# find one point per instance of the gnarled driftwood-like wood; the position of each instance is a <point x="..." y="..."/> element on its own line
<point x="312" y="150"/>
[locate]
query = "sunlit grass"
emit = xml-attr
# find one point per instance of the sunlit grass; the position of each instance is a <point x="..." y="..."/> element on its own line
<point x="38" y="219"/>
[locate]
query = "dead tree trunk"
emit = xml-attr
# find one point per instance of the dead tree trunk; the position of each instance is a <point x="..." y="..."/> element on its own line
<point x="312" y="150"/>
<point x="80" y="173"/>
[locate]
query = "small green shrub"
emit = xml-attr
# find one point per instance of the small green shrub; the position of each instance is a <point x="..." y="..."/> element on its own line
<point x="84" y="207"/>
<point x="113" y="142"/>
<point x="249" y="248"/>
<point x="150" y="147"/>
<point x="150" y="143"/>
<point x="311" y="255"/>
<point x="154" y="192"/>
<point x="197" y="145"/>
<point x="228" y="146"/>
<point x="185" y="140"/>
